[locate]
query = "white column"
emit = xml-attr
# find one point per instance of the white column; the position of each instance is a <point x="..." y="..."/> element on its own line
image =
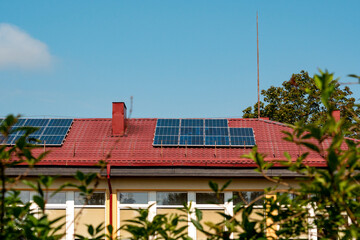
<point x="191" y="227"/>
<point x="312" y="232"/>
<point x="229" y="206"/>
<point x="70" y="215"/>
<point x="118" y="213"/>
<point x="152" y="203"/>
<point x="34" y="207"/>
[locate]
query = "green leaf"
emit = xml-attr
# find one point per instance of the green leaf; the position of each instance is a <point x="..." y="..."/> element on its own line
<point x="214" y="186"/>
<point x="39" y="201"/>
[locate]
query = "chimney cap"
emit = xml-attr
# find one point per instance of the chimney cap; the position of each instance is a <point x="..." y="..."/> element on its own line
<point x="122" y="103"/>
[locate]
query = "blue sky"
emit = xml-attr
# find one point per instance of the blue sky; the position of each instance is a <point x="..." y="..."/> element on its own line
<point x="176" y="58"/>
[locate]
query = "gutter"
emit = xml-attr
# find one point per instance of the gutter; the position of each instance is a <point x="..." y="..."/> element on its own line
<point x="108" y="169"/>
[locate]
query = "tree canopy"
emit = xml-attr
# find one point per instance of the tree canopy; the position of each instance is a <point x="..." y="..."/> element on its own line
<point x="299" y="100"/>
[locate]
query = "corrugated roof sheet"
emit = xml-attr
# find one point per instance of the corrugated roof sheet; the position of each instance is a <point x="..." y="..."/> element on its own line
<point x="90" y="140"/>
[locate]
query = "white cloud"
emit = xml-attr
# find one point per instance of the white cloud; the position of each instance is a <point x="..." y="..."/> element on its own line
<point x="19" y="50"/>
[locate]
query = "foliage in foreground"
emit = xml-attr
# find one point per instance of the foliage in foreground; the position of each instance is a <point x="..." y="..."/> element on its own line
<point x="325" y="203"/>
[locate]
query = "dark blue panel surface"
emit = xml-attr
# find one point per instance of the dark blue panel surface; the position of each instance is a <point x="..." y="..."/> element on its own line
<point x="216" y="131"/>
<point x="216" y="123"/>
<point x="241" y="132"/>
<point x="189" y="131"/>
<point x="53" y="135"/>
<point x="39" y="131"/>
<point x="52" y="140"/>
<point x="166" y="140"/>
<point x="192" y="122"/>
<point x="168" y="122"/>
<point x="217" y="141"/>
<point x="36" y="122"/>
<point x="20" y="122"/>
<point x="12" y="139"/>
<point x="242" y="141"/>
<point x="56" y="131"/>
<point x="167" y="131"/>
<point x="192" y="140"/>
<point x="60" y="122"/>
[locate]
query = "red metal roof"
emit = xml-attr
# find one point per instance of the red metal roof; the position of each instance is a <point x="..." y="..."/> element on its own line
<point x="90" y="140"/>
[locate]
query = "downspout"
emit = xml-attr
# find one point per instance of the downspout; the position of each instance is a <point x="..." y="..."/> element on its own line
<point x="110" y="192"/>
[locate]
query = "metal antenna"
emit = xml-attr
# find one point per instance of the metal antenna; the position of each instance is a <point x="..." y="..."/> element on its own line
<point x="258" y="81"/>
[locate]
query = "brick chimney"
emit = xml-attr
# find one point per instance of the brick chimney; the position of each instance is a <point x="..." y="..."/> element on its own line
<point x="336" y="115"/>
<point x="118" y="118"/>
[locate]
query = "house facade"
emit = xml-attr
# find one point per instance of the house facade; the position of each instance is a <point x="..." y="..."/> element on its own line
<point x="141" y="172"/>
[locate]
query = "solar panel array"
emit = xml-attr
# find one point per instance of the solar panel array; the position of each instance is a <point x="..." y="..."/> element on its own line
<point x="51" y="132"/>
<point x="201" y="132"/>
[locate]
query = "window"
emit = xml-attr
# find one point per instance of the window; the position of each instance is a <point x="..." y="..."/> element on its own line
<point x="97" y="198"/>
<point x="209" y="198"/>
<point x="58" y="198"/>
<point x="245" y="198"/>
<point x="133" y="198"/>
<point x="171" y="198"/>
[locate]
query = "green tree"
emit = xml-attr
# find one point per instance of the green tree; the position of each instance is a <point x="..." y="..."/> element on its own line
<point x="299" y="100"/>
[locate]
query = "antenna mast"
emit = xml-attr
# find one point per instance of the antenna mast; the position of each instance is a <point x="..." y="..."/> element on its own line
<point x="258" y="81"/>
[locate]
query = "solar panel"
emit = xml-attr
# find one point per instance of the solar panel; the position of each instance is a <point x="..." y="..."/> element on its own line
<point x="216" y="123"/>
<point x="242" y="137"/>
<point x="37" y="122"/>
<point x="189" y="131"/>
<point x="50" y="132"/>
<point x="166" y="140"/>
<point x="191" y="141"/>
<point x="56" y="131"/>
<point x="217" y="141"/>
<point x="168" y="122"/>
<point x="216" y="131"/>
<point x="167" y="132"/>
<point x="201" y="132"/>
<point x="60" y="122"/>
<point x="241" y="132"/>
<point x="192" y="122"/>
<point x="51" y="140"/>
<point x="20" y="122"/>
<point x="243" y="141"/>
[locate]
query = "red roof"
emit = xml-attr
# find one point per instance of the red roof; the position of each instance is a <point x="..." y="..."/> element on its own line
<point x="90" y="140"/>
